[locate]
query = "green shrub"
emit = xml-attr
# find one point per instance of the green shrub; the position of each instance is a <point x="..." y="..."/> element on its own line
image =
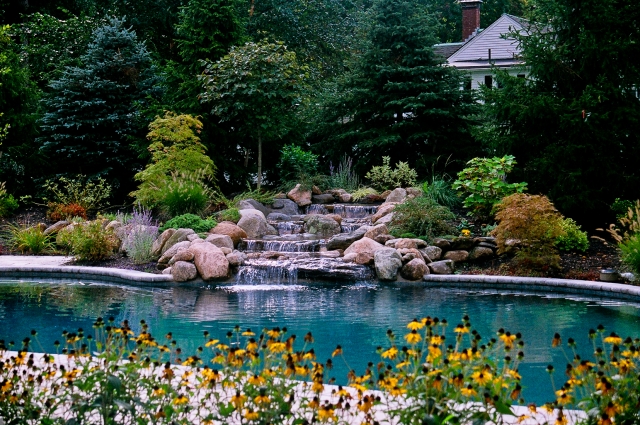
<point x="190" y="221"/>
<point x="536" y="224"/>
<point x="88" y="194"/>
<point x="631" y="253"/>
<point x="344" y="177"/>
<point x="90" y="241"/>
<point x="31" y="240"/>
<point x="362" y="193"/>
<point x="184" y="195"/>
<point x="263" y="196"/>
<point x="483" y="184"/>
<point x="573" y="238"/>
<point x="421" y="216"/>
<point x="439" y="189"/>
<point x="8" y="205"/>
<point x="621" y="206"/>
<point x="382" y="177"/>
<point x="230" y="214"/>
<point x="138" y="242"/>
<point x="294" y="162"/>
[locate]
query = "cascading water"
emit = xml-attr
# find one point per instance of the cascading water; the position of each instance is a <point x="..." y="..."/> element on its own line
<point x="317" y="209"/>
<point x="349" y="227"/>
<point x="282" y="246"/>
<point x="354" y="211"/>
<point x="262" y="271"/>
<point x="287" y="227"/>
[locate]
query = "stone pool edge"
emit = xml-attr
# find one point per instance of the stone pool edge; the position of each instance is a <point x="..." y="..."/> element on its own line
<point x="106" y="274"/>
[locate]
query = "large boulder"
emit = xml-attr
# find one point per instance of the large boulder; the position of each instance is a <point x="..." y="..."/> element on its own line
<point x="169" y="253"/>
<point x="387" y="261"/>
<point x="236" y="258"/>
<point x="221" y="241"/>
<point x="414" y="269"/>
<point x="456" y="256"/>
<point x="210" y="261"/>
<point x="252" y="204"/>
<point x="383" y="210"/>
<point x="230" y="229"/>
<point x="158" y="244"/>
<point x="56" y="227"/>
<point x="183" y="254"/>
<point x="182" y="271"/>
<point x="179" y="235"/>
<point x="325" y="198"/>
<point x="275" y="216"/>
<point x="397" y="195"/>
<point x="300" y="196"/>
<point x="385" y="219"/>
<point x="433" y="253"/>
<point x="480" y="253"/>
<point x="254" y="223"/>
<point x="321" y="225"/>
<point x="377" y="230"/>
<point x="406" y="243"/>
<point x="442" y="267"/>
<point x="285" y="206"/>
<point x="364" y="249"/>
<point x="344" y="240"/>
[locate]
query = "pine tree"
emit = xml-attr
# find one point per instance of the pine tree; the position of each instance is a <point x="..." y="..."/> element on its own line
<point x="91" y="114"/>
<point x="401" y="101"/>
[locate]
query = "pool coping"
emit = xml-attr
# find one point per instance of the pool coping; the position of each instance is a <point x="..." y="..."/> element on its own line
<point x="107" y="274"/>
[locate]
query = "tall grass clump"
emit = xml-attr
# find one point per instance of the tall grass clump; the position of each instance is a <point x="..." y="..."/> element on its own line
<point x="343" y="176"/>
<point x="627" y="235"/>
<point x="439" y="189"/>
<point x="142" y="231"/>
<point x="28" y="239"/>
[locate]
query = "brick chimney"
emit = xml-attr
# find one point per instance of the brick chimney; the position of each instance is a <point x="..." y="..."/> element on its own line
<point x="470" y="17"/>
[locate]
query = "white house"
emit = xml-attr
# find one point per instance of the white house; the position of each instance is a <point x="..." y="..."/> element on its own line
<point x="484" y="49"/>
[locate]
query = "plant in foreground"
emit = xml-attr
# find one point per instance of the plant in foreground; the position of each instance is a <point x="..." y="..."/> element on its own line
<point x="28" y="239"/>
<point x="142" y="231"/>
<point x="90" y="241"/>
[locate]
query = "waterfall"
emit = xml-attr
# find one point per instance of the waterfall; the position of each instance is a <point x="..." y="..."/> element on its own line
<point x="317" y="209"/>
<point x="355" y="211"/>
<point x="287" y="227"/>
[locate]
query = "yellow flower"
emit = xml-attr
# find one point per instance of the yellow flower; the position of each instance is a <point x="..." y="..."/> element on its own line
<point x="413" y="337"/>
<point x="238" y="400"/>
<point x="326" y="413"/>
<point x="257" y="380"/>
<point x="181" y="399"/>
<point x="157" y="392"/>
<point x="397" y="391"/>
<point x="434" y="351"/>
<point x="612" y="409"/>
<point x="337" y="351"/>
<point x="414" y="325"/>
<point x="277" y="347"/>
<point x="514" y="374"/>
<point x="508" y="339"/>
<point x="437" y="339"/>
<point x="468" y="391"/>
<point x="391" y="353"/>
<point x="461" y="329"/>
<point x="274" y="333"/>
<point x="402" y="364"/>
<point x="261" y="399"/>
<point x="317" y="387"/>
<point x="211" y="342"/>
<point x="613" y="339"/>
<point x="465" y="232"/>
<point x="251" y="415"/>
<point x="481" y="378"/>
<point x="248" y="333"/>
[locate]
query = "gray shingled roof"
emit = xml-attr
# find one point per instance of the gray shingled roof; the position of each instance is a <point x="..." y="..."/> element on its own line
<point x="504" y="52"/>
<point x="447" y="49"/>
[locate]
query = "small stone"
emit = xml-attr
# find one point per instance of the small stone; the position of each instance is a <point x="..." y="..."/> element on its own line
<point x="406" y="243"/>
<point x="442" y="243"/>
<point x="462" y="243"/>
<point x="183" y="271"/>
<point x="183" y="254"/>
<point x="350" y="258"/>
<point x="336" y="217"/>
<point x="345" y="198"/>
<point x="397" y="195"/>
<point x="382" y="211"/>
<point x="325" y="198"/>
<point x="383" y="239"/>
<point x="166" y="270"/>
<point x="274" y="216"/>
<point x="180" y="235"/>
<point x="457" y="256"/>
<point x="192" y="237"/>
<point x="225" y="250"/>
<point x="168" y="255"/>
<point x="480" y="253"/>
<point x="442" y="267"/>
<point x="488" y="245"/>
<point x="55" y="228"/>
<point x="230" y="229"/>
<point x="236" y="258"/>
<point x="375" y="231"/>
<point x="433" y="253"/>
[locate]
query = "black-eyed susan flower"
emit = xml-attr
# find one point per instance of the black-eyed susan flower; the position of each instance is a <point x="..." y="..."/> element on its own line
<point x="326" y="413"/>
<point x="337" y="351"/>
<point x="415" y="325"/>
<point x="413" y="337"/>
<point x="248" y="332"/>
<point x="481" y="377"/>
<point x="251" y="415"/>
<point x="180" y="399"/>
<point x="390" y="353"/>
<point x="468" y="391"/>
<point x="256" y="380"/>
<point x="556" y="341"/>
<point x="613" y="339"/>
<point x="461" y="329"/>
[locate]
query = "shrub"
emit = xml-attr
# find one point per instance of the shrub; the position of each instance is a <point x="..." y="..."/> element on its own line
<point x="629" y="224"/>
<point x="88" y="194"/>
<point x="384" y="178"/>
<point x="631" y="253"/>
<point x="421" y="216"/>
<point x="344" y="177"/>
<point x="362" y="193"/>
<point x="573" y="238"/>
<point x="7" y="202"/>
<point x="190" y="221"/>
<point x="294" y="161"/>
<point x="90" y="241"/>
<point x="621" y="206"/>
<point x="439" y="189"/>
<point x="184" y="194"/>
<point x="230" y="214"/>
<point x="57" y="212"/>
<point x="533" y="221"/>
<point x="483" y="184"/>
<point x="260" y="195"/>
<point x="142" y="233"/>
<point x="29" y="239"/>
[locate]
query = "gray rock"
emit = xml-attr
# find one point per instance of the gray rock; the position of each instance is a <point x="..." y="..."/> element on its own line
<point x="168" y="254"/>
<point x="221" y="241"/>
<point x="386" y="262"/>
<point x="405" y="243"/>
<point x="113" y="225"/>
<point x="377" y="230"/>
<point x="182" y="271"/>
<point x="344" y="240"/>
<point x="179" y="235"/>
<point x="628" y="277"/>
<point x="158" y="244"/>
<point x="210" y="261"/>
<point x="226" y="251"/>
<point x="444" y="244"/>
<point x="248" y="204"/>
<point x="196" y="241"/>
<point x="442" y="267"/>
<point x="56" y="227"/>
<point x="487" y="239"/>
<point x="321" y="225"/>
<point x="255" y="225"/>
<point x="413" y="192"/>
<point x="285" y="206"/>
<point x="364" y="249"/>
<point x="183" y="254"/>
<point x="409" y="254"/>
<point x="383" y="210"/>
<point x="276" y="216"/>
<point x="414" y="269"/>
<point x="433" y="253"/>
<point x="166" y="270"/>
<point x="397" y="195"/>
<point x="462" y="243"/>
<point x="457" y="256"/>
<point x="193" y="237"/>
<point x="345" y="198"/>
<point x="488" y="245"/>
<point x="480" y="253"/>
<point x="236" y="258"/>
<point x="325" y="198"/>
<point x="383" y="239"/>
<point x="386" y="219"/>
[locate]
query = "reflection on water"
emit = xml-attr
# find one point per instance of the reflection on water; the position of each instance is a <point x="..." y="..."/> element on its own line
<point x="355" y="316"/>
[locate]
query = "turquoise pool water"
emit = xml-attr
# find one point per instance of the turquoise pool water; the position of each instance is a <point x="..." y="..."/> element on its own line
<point x="355" y="316"/>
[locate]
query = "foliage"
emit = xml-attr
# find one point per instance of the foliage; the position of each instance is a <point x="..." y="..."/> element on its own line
<point x="295" y="162"/>
<point x="573" y="239"/>
<point x="398" y="100"/>
<point x="629" y="224"/>
<point x="90" y="241"/>
<point x="621" y="206"/>
<point x="256" y="87"/>
<point x="362" y="193"/>
<point x="185" y="193"/>
<point x="263" y="196"/>
<point x="230" y="214"/>
<point x="382" y="177"/>
<point x="484" y="184"/>
<point x="58" y="211"/>
<point x="190" y="221"/>
<point x="7" y="203"/>
<point x="422" y="216"/>
<point x="630" y="249"/>
<point x="88" y="194"/>
<point x="141" y="233"/>
<point x="439" y="189"/>
<point x="92" y="111"/>
<point x="584" y="155"/>
<point x="344" y="177"/>
<point x="28" y="239"/>
<point x="535" y="224"/>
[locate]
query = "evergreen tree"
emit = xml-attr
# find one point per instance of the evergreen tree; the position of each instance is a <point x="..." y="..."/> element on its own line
<point x="91" y="114"/>
<point x="401" y="101"/>
<point x="574" y="124"/>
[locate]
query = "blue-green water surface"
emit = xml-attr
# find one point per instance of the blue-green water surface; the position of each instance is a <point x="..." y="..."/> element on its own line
<point x="355" y="316"/>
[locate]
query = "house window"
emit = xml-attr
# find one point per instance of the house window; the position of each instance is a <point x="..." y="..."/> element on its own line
<point x="488" y="81"/>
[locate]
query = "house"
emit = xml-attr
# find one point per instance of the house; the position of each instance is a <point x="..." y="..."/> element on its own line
<point x="484" y="49"/>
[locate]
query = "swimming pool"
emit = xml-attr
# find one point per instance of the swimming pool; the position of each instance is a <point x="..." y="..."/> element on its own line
<point x="356" y="316"/>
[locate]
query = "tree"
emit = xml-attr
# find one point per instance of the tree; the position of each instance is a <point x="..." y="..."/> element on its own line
<point x="400" y="101"/>
<point x="573" y="124"/>
<point x="257" y="86"/>
<point x="91" y="114"/>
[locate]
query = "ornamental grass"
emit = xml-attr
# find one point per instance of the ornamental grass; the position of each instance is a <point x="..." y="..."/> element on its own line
<point x="432" y="374"/>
